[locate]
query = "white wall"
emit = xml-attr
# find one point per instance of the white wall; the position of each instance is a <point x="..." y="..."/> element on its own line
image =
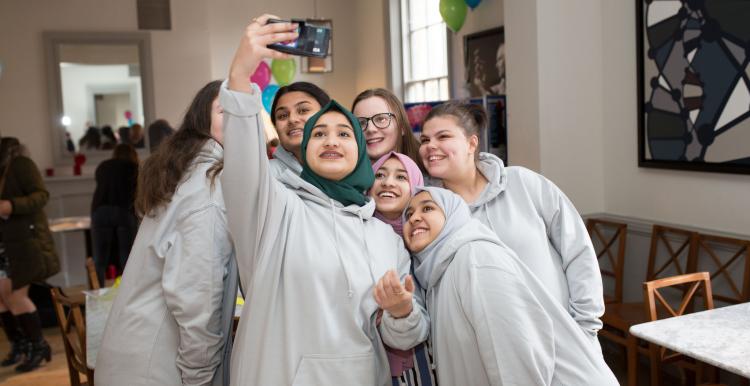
<point x="708" y="200"/>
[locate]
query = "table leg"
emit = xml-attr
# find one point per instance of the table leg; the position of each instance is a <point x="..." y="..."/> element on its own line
<point x="632" y="359"/>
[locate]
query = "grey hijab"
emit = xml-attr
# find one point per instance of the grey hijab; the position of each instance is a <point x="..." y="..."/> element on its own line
<point x="431" y="262"/>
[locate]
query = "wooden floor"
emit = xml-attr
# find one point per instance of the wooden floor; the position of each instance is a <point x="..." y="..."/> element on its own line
<point x="54" y="373"/>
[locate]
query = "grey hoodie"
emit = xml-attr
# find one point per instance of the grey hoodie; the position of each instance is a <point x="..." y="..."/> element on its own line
<point x="493" y="321"/>
<point x="535" y="219"/>
<point x="282" y="160"/>
<point x="171" y="321"/>
<point x="308" y="265"/>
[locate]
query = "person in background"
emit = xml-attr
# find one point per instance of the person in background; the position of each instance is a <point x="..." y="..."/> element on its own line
<point x="113" y="219"/>
<point x="158" y="131"/>
<point x="137" y="136"/>
<point x="91" y="140"/>
<point x="525" y="210"/>
<point x="383" y="118"/>
<point x="123" y="133"/>
<point x="108" y="138"/>
<point x="28" y="255"/>
<point x="291" y="107"/>
<point x="494" y="322"/>
<point x="396" y="178"/>
<point x="171" y="321"/>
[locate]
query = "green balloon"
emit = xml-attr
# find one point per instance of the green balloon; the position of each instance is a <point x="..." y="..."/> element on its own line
<point x="454" y="13"/>
<point x="283" y="70"/>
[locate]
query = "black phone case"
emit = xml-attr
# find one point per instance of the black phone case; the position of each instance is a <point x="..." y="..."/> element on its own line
<point x="302" y="52"/>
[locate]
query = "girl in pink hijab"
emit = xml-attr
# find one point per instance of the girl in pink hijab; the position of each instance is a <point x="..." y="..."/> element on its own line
<point x="396" y="177"/>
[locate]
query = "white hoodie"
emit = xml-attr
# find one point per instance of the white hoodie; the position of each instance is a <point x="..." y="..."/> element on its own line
<point x="536" y="220"/>
<point x="170" y="323"/>
<point x="493" y="322"/>
<point x="308" y="265"/>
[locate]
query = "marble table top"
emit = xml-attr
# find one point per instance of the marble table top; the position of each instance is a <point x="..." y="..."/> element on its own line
<point x="67" y="224"/>
<point x="720" y="337"/>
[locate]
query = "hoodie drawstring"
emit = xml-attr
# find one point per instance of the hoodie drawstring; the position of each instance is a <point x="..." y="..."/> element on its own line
<point x="489" y="220"/>
<point x="370" y="260"/>
<point x="350" y="291"/>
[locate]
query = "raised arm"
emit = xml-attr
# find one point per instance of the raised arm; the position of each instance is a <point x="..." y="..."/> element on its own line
<point x="568" y="235"/>
<point x="254" y="200"/>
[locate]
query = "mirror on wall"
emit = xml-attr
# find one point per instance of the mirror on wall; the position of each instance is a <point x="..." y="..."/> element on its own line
<point x="100" y="91"/>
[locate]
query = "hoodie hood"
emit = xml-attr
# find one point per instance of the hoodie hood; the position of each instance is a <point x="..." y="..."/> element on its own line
<point x="493" y="169"/>
<point x="287" y="159"/>
<point x="459" y="229"/>
<point x="211" y="152"/>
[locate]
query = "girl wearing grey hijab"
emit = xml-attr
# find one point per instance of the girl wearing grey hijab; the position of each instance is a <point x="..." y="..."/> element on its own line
<point x="493" y="322"/>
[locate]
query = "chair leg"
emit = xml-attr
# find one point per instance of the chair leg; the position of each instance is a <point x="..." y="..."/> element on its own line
<point x="655" y="365"/>
<point x="632" y="359"/>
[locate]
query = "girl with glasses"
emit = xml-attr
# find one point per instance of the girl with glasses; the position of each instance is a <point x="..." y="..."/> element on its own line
<point x="310" y="254"/>
<point x="383" y="119"/>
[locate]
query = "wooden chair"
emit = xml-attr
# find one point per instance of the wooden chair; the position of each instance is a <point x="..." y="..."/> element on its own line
<point x="654" y="298"/>
<point x="672" y="249"/>
<point x="609" y="238"/>
<point x="73" y="328"/>
<point x="721" y="257"/>
<point x="91" y="271"/>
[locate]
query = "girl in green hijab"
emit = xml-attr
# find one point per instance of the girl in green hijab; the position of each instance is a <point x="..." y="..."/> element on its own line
<point x="334" y="145"/>
<point x="309" y="251"/>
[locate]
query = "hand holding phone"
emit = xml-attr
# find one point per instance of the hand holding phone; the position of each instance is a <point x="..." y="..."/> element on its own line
<point x="312" y="40"/>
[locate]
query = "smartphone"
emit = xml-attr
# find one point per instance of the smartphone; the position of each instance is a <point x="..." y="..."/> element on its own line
<point x="312" y="40"/>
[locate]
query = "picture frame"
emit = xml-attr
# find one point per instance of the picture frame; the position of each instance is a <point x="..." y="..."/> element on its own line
<point x="693" y="85"/>
<point x="484" y="61"/>
<point x="313" y="65"/>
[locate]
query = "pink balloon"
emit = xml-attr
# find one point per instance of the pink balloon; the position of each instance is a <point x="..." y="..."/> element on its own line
<point x="262" y="75"/>
<point x="128" y="114"/>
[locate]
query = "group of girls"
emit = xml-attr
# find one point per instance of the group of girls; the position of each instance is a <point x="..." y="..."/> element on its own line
<point x="348" y="264"/>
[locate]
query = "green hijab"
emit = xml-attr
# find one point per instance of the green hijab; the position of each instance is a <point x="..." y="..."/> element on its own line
<point x="350" y="189"/>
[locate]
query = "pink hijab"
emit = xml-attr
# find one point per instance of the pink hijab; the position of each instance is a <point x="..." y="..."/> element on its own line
<point x="415" y="179"/>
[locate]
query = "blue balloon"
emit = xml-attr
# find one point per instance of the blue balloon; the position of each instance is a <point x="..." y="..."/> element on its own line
<point x="268" y="94"/>
<point x="473" y="3"/>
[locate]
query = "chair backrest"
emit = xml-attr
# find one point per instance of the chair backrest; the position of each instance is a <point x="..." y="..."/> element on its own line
<point x="672" y="252"/>
<point x="652" y="295"/>
<point x="73" y="328"/>
<point x="728" y="261"/>
<point x="609" y="239"/>
<point x="91" y="271"/>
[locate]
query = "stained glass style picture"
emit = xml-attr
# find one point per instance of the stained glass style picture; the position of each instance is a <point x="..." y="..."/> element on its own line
<point x="694" y="84"/>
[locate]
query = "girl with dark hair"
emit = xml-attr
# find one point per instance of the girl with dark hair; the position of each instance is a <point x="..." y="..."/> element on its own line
<point x="311" y="254"/>
<point x="27" y="255"/>
<point x="527" y="211"/>
<point x="91" y="140"/>
<point x="383" y="118"/>
<point x="113" y="219"/>
<point x="291" y="108"/>
<point x="171" y="321"/>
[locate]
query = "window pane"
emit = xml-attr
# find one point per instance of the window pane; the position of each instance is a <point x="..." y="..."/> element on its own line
<point x="419" y="64"/>
<point x="431" y="91"/>
<point x="417" y="13"/>
<point x="444" y="89"/>
<point x="414" y="92"/>
<point x="436" y="51"/>
<point x="433" y="11"/>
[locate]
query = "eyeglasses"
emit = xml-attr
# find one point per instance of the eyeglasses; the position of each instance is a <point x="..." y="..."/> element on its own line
<point x="381" y="121"/>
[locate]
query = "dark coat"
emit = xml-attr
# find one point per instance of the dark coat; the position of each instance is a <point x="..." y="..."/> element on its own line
<point x="28" y="240"/>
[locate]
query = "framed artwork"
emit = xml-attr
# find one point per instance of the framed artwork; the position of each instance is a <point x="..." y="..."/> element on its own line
<point x="694" y="84"/>
<point x="313" y="65"/>
<point x="484" y="60"/>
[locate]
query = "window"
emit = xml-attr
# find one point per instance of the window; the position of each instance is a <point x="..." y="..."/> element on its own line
<point x="425" y="56"/>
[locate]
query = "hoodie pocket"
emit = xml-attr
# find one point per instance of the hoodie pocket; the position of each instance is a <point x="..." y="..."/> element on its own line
<point x="321" y="369"/>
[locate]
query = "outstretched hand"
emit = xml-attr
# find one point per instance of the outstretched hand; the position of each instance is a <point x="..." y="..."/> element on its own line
<point x="394" y="297"/>
<point x="252" y="49"/>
